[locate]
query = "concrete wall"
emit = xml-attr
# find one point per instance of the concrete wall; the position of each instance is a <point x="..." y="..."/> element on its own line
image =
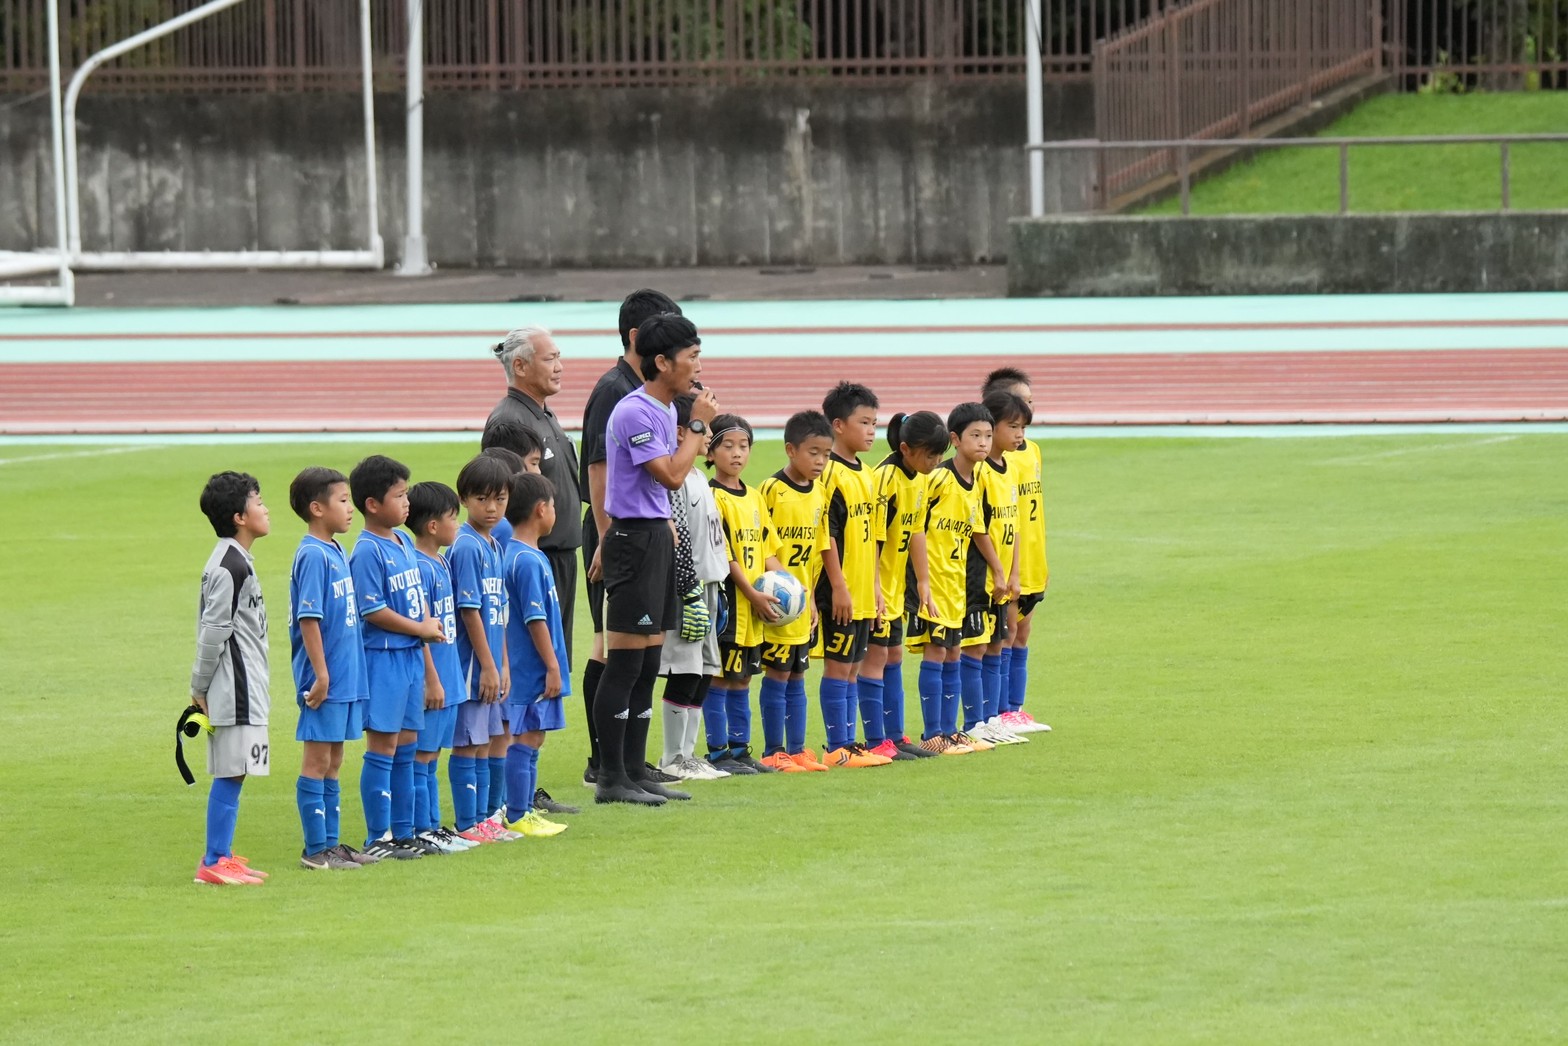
<point x="1289" y="254"/>
<point x="692" y="176"/>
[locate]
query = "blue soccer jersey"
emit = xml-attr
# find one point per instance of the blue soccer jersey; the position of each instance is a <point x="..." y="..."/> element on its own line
<point x="478" y="583"/>
<point x="530" y="586"/>
<point x="386" y="574"/>
<point x="321" y="586"/>
<point x="437" y="578"/>
<point x="502" y="532"/>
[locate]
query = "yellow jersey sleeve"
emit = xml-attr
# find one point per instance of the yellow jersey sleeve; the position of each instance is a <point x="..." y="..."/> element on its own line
<point x="1025" y="465"/>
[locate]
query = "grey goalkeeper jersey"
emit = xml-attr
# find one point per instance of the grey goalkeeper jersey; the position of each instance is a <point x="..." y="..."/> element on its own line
<point x="231" y="640"/>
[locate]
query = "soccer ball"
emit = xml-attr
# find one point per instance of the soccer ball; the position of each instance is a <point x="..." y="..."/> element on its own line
<point x="790" y="593"/>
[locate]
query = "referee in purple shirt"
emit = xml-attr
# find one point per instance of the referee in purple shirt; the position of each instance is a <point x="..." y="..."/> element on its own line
<point x="645" y="461"/>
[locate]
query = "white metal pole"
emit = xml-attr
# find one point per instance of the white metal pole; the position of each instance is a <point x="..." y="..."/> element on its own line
<point x="367" y="74"/>
<point x="416" y="260"/>
<point x="57" y="144"/>
<point x="1034" y="40"/>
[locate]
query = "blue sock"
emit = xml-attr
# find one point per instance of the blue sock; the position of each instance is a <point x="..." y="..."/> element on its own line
<point x="869" y="693"/>
<point x="1006" y="680"/>
<point x="223" y="811"/>
<point x="520" y="764"/>
<point x="403" y="792"/>
<point x="424" y="797"/>
<point x="738" y="708"/>
<point x="834" y="698"/>
<point x="715" y="719"/>
<point x="497" y="785"/>
<point x="332" y="803"/>
<point x="312" y="813"/>
<point x="951" y="685"/>
<point x="375" y="795"/>
<point x="465" y="792"/>
<point x="1018" y="678"/>
<point x="481" y="787"/>
<point x="972" y="689"/>
<point x="893" y="702"/>
<point x="795" y="705"/>
<point x="771" y="695"/>
<point x="930" y="683"/>
<point x="433" y="791"/>
<point x="991" y="678"/>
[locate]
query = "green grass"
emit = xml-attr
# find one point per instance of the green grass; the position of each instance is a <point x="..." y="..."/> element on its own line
<point x="1404" y="177"/>
<point x="1306" y="785"/>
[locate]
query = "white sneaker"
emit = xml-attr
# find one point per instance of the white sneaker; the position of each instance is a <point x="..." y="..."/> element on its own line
<point x="436" y="839"/>
<point x="999" y="734"/>
<point x="708" y="771"/>
<point x="1004" y="728"/>
<point x="683" y="768"/>
<point x="455" y="839"/>
<point x="1024" y="723"/>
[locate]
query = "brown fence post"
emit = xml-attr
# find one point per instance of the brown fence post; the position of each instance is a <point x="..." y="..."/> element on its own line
<point x="1344" y="178"/>
<point x="1505" y="173"/>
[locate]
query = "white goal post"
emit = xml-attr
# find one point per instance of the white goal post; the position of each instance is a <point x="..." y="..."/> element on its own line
<point x="29" y="264"/>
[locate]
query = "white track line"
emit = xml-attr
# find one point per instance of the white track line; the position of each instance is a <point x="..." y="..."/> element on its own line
<point x="96" y="453"/>
<point x="1359" y="459"/>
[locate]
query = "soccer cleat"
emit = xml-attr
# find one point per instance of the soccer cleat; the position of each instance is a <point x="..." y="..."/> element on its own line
<point x="387" y="849"/>
<point x="477" y="835"/>
<point x="624" y="791"/>
<point x="976" y="744"/>
<point x="914" y="751"/>
<point x="327" y="860"/>
<point x="999" y="732"/>
<point x="348" y="853"/>
<point x="533" y="825"/>
<point x="657" y="788"/>
<point x="722" y="760"/>
<point x="224" y="873"/>
<point x="434" y="838"/>
<point x="449" y="836"/>
<point x="497" y="826"/>
<point x="780" y="762"/>
<point x="861" y="750"/>
<point x="244" y="862"/>
<point x="703" y="770"/>
<point x="424" y="846"/>
<point x="889" y="751"/>
<point x="654" y="774"/>
<point x="853" y="756"/>
<point x="590" y="776"/>
<point x="543" y="801"/>
<point x="744" y="758"/>
<point x="942" y="744"/>
<point x="807" y="759"/>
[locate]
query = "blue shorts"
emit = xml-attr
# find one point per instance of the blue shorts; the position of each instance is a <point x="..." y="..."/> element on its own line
<point x="543" y="714"/>
<point x="477" y="723"/>
<point x="397" y="689"/>
<point x="333" y="722"/>
<point x="440" y="724"/>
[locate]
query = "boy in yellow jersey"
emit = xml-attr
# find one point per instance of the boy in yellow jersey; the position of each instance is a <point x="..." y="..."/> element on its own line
<point x="918" y="442"/>
<point x="848" y="599"/>
<point x="1033" y="571"/>
<point x="798" y="508"/>
<point x="952" y="528"/>
<point x="753" y="549"/>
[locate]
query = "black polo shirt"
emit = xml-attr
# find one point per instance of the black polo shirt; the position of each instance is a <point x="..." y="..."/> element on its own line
<point x="613" y="386"/>
<point x="558" y="463"/>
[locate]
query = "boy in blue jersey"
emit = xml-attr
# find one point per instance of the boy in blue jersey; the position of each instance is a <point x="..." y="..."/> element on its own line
<point x="519" y="463"/>
<point x="432" y="519"/>
<point x="479" y="584"/>
<point x="535" y="650"/>
<point x="398" y="668"/>
<point x="328" y="660"/>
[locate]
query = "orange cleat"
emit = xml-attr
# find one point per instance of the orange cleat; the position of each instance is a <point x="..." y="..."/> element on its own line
<point x="853" y="756"/>
<point x="806" y="759"/>
<point x="781" y="762"/>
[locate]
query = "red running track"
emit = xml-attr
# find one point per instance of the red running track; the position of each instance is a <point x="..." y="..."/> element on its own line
<point x="1153" y="389"/>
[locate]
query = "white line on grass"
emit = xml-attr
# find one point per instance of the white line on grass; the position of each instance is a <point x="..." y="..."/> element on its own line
<point x="1359" y="459"/>
<point x="98" y="452"/>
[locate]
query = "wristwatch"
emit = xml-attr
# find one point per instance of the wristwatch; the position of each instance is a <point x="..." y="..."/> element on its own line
<point x="696" y="425"/>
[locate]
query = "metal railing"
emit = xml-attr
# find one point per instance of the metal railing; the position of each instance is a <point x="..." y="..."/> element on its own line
<point x="1217" y="68"/>
<point x="1181" y="152"/>
<point x="1492" y="45"/>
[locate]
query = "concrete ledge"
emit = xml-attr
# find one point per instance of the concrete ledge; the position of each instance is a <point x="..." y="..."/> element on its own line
<point x="1288" y="254"/>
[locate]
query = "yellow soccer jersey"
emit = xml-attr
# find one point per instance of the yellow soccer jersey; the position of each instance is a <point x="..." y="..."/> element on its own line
<point x="855" y="525"/>
<point x="1026" y="469"/>
<point x="901" y="501"/>
<point x="748" y="534"/>
<point x="952" y="512"/>
<point x="999" y="513"/>
<point x="799" y="517"/>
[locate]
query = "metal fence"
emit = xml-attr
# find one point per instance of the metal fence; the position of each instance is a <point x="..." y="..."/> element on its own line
<point x="1217" y="68"/>
<point x="1457" y="45"/>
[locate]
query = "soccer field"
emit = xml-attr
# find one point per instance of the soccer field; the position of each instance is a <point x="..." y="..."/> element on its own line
<point x="1306" y="784"/>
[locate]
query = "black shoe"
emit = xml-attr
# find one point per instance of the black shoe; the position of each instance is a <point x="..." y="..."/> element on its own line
<point x="910" y="750"/>
<point x="620" y="789"/>
<point x="392" y="850"/>
<point x="728" y="764"/>
<point x="745" y="759"/>
<point x="590" y="776"/>
<point x="542" y="801"/>
<point x="655" y="788"/>
<point x="653" y="773"/>
<point x="424" y="846"/>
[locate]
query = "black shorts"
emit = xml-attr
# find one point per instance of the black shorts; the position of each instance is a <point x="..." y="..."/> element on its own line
<point x="1028" y="601"/>
<point x="639" y="577"/>
<point x="784" y="657"/>
<point x="999" y="629"/>
<point x="939" y="635"/>
<point x="845" y="643"/>
<point x="978" y="621"/>
<point x="738" y="663"/>
<point x="595" y="588"/>
<point x="890" y="634"/>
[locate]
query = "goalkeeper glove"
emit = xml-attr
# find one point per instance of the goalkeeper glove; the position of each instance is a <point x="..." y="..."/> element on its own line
<point x="694" y="616"/>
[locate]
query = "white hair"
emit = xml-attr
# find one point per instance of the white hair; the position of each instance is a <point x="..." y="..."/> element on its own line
<point x="519" y="344"/>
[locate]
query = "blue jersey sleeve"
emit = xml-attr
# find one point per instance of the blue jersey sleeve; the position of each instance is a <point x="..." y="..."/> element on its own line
<point x="524" y="590"/>
<point x="370" y="578"/>
<point x="309" y="584"/>
<point x="467" y="562"/>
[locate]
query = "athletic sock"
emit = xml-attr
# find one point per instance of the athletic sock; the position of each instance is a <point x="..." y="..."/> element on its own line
<point x="424" y="788"/>
<point x="772" y="697"/>
<point x="991" y="677"/>
<point x="870" y="693"/>
<point x="520" y="761"/>
<point x="612" y="704"/>
<point x="972" y="689"/>
<point x="893" y="702"/>
<point x="716" y="717"/>
<point x="634" y="751"/>
<point x="223" y="811"/>
<point x="1005" y="681"/>
<point x="375" y="795"/>
<point x="592" y="673"/>
<point x="739" y="713"/>
<point x="465" y="796"/>
<point x="403" y="791"/>
<point x="951" y="685"/>
<point x="930" y="684"/>
<point x="795" y="714"/>
<point x="433" y="791"/>
<point x="332" y="803"/>
<point x="481" y="787"/>
<point x="497" y="797"/>
<point x="673" y="718"/>
<point x="312" y="815"/>
<point x="1018" y="678"/>
<point x="834" y="697"/>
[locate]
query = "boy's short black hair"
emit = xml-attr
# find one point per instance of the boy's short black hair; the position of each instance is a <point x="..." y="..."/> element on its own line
<point x="965" y="415"/>
<point x="483" y="477"/>
<point x="373" y="477"/>
<point x="923" y="429"/>
<point x="683" y="404"/>
<point x="224" y="497"/>
<point x="1005" y="379"/>
<point x="514" y="439"/>
<point x="638" y="306"/>
<point x="428" y="501"/>
<point x="510" y="458"/>
<point x="845" y="398"/>
<point x="1006" y="406"/>
<point x="528" y="491"/>
<point x="312" y="485"/>
<point x="802" y="426"/>
<point x="663" y="335"/>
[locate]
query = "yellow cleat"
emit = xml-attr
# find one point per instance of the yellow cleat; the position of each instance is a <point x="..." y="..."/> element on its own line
<point x="533" y="825"/>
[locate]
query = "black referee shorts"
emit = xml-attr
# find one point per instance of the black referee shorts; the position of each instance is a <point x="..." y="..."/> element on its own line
<point x="638" y="558"/>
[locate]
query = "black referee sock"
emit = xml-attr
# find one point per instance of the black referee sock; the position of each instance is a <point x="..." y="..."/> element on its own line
<point x="611" y="704"/>
<point x="640" y="712"/>
<point x="592" y="674"/>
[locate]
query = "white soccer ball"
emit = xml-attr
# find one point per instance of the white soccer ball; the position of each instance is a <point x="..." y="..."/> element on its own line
<point x="791" y="594"/>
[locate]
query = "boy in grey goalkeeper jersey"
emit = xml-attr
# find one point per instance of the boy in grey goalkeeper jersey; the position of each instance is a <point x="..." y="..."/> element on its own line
<point x="229" y="678"/>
